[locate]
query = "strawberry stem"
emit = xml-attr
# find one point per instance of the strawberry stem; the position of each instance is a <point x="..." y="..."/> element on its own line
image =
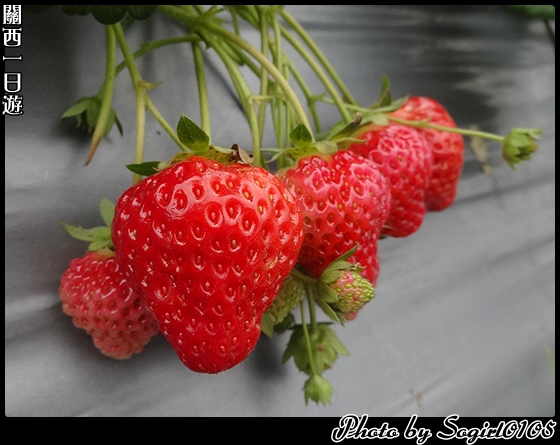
<point x="106" y="93"/>
<point x="139" y="94"/>
<point x="191" y="21"/>
<point x="202" y="88"/>
<point x="319" y="54"/>
<point x="308" y="345"/>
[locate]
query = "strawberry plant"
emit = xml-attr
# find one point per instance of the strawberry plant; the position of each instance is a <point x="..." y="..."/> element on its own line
<point x="221" y="244"/>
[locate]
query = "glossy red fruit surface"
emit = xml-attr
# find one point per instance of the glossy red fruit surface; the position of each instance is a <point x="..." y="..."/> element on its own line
<point x="208" y="247"/>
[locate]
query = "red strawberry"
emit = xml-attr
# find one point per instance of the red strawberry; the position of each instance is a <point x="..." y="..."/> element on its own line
<point x="345" y="200"/>
<point x="96" y="294"/>
<point x="405" y="159"/>
<point x="447" y="149"/>
<point x="208" y="246"/>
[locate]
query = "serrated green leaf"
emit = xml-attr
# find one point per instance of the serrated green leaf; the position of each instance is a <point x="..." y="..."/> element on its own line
<point x="108" y="15"/>
<point x="89" y="235"/>
<point x="326" y="293"/>
<point x="384" y="98"/>
<point x="107" y="210"/>
<point x="92" y="114"/>
<point x="300" y="136"/>
<point x="192" y="135"/>
<point x="329" y="311"/>
<point x="100" y="244"/>
<point x="145" y="168"/>
<point x="347" y="129"/>
<point x="78" y="108"/>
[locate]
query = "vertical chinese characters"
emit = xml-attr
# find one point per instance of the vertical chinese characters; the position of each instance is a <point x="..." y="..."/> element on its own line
<point x="12" y="101"/>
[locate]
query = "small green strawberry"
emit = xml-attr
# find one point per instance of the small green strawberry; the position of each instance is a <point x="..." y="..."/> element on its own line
<point x="290" y="296"/>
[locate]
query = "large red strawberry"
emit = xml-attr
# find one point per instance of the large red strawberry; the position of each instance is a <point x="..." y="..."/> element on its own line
<point x="97" y="295"/>
<point x="447" y="149"/>
<point x="405" y="159"/>
<point x="208" y="246"/>
<point x="345" y="201"/>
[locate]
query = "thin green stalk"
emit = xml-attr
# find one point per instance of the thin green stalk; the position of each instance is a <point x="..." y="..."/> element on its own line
<point x="139" y="93"/>
<point x="264" y="76"/>
<point x="317" y="68"/>
<point x="319" y="54"/>
<point x="307" y="340"/>
<point x="426" y="124"/>
<point x="155" y="44"/>
<point x="107" y="93"/>
<point x="311" y="304"/>
<point x="244" y="96"/>
<point x="463" y="131"/>
<point x="202" y="88"/>
<point x="190" y="20"/>
<point x="168" y="129"/>
<point x="320" y="74"/>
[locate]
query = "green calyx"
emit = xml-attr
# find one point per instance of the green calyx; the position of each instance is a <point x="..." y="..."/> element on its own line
<point x="87" y="110"/>
<point x="519" y="145"/>
<point x="318" y="389"/>
<point x="325" y="347"/>
<point x="98" y="237"/>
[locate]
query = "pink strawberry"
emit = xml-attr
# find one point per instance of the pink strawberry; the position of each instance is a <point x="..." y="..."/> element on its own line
<point x="353" y="292"/>
<point x="447" y="149"/>
<point x="96" y="294"/>
<point x="208" y="247"/>
<point x="345" y="200"/>
<point x="405" y="159"/>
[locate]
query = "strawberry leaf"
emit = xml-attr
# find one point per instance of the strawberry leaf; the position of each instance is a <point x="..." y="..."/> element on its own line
<point x="325" y="348"/>
<point x="192" y="135"/>
<point x="107" y="210"/>
<point x="145" y="168"/>
<point x="300" y="136"/>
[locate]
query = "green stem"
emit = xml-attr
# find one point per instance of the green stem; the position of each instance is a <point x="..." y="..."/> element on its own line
<point x="426" y="124"/>
<point x="202" y="89"/>
<point x="107" y="89"/>
<point x="191" y="20"/>
<point x="139" y="93"/>
<point x="307" y="340"/>
<point x="263" y="77"/>
<point x="155" y="44"/>
<point x="305" y="279"/>
<point x="463" y="131"/>
<point x="243" y="93"/>
<point x="311" y="304"/>
<point x="168" y="129"/>
<point x="319" y="54"/>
